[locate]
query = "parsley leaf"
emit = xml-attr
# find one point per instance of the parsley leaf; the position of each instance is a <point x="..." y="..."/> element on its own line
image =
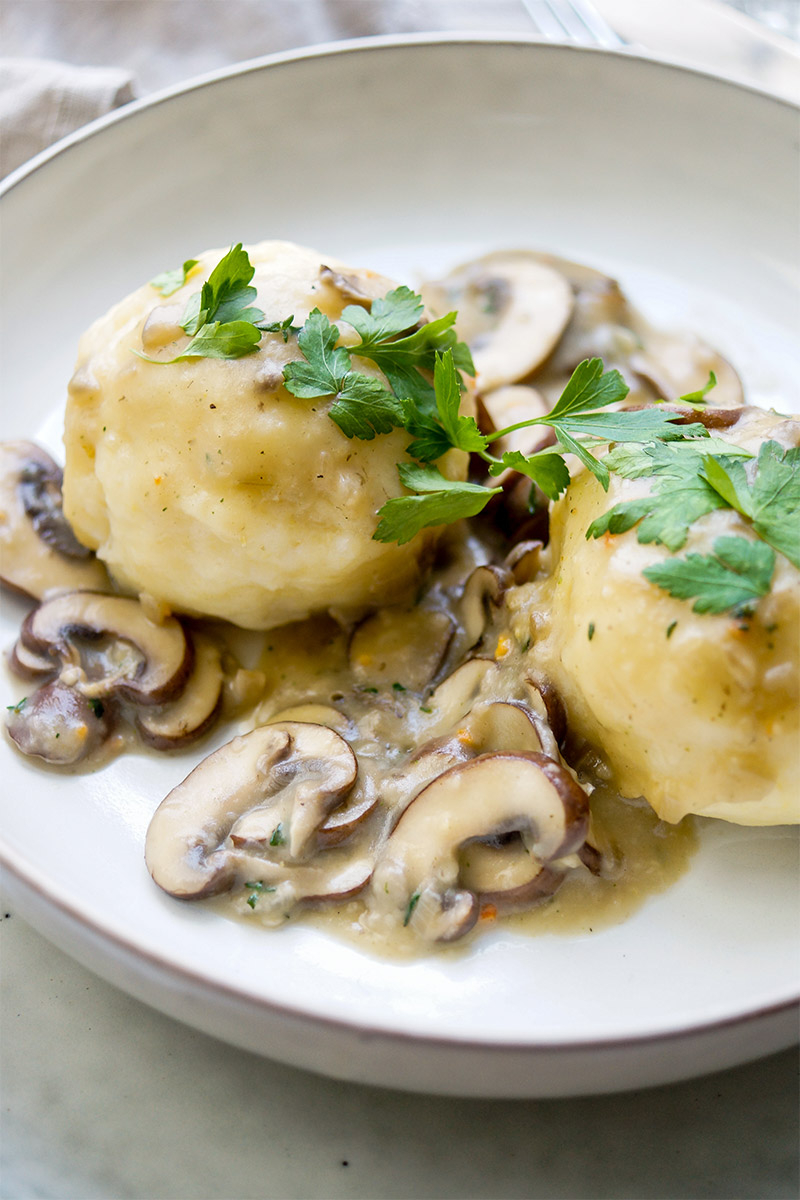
<point x="771" y="501"/>
<point x="678" y="498"/>
<point x="170" y="281"/>
<point x="362" y="405"/>
<point x="440" y="501"/>
<point x="733" y="578"/>
<point x="397" y="312"/>
<point x="699" y="397"/>
<point x="219" y="318"/>
<point x="225" y="296"/>
<point x="233" y="339"/>
<point x="462" y="432"/>
<point x="285" y="327"/>
<point x="589" y="388"/>
<point x="546" y="468"/>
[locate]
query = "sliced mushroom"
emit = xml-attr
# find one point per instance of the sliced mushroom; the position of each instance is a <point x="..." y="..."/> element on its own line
<point x="512" y="309"/>
<point x="162" y="327"/>
<point x="106" y="644"/>
<point x="549" y="712"/>
<point x="58" y="724"/>
<point x="349" y="287"/>
<point x="491" y="795"/>
<point x="523" y="560"/>
<point x="39" y="550"/>
<point x="192" y="714"/>
<point x="314" y="714"/>
<point x="479" y="602"/>
<point x="27" y="665"/>
<point x="295" y="774"/>
<point x="275" y="889"/>
<point x="504" y="876"/>
<point x="505" y="725"/>
<point x="401" y="645"/>
<point x="456" y="694"/>
<point x="677" y="364"/>
<point x="601" y="325"/>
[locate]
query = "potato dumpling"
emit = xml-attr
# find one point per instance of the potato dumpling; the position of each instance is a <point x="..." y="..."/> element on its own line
<point x="698" y="713"/>
<point x="206" y="484"/>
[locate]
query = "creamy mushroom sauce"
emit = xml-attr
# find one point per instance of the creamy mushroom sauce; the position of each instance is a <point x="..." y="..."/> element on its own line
<point x="416" y="691"/>
<point x="310" y="675"/>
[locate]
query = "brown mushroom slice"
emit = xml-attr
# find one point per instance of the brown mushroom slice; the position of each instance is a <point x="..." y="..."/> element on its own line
<point x="57" y="724"/>
<point x="106" y="644"/>
<point x="601" y="325"/>
<point x="192" y="714"/>
<point x="456" y="694"/>
<point x="163" y="326"/>
<point x="524" y="559"/>
<point x="314" y="714"/>
<point x="40" y="553"/>
<point x="547" y="713"/>
<point x="400" y="645"/>
<point x="349" y="287"/>
<point x="675" y="365"/>
<point x="512" y="310"/>
<point x="479" y="601"/>
<point x="505" y="877"/>
<point x="305" y="770"/>
<point x="512" y="405"/>
<point x="348" y="817"/>
<point x="504" y="725"/>
<point x="27" y="665"/>
<point x="488" y="796"/>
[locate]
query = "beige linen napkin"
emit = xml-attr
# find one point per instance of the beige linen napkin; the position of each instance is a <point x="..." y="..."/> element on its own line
<point x="42" y="101"/>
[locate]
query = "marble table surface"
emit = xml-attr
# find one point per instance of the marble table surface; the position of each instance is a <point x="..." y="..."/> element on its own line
<point x="103" y="1097"/>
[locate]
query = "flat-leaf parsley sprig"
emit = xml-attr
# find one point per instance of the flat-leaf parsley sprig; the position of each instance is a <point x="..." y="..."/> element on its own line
<point x="220" y="319"/>
<point x="693" y="479"/>
<point x="578" y="419"/>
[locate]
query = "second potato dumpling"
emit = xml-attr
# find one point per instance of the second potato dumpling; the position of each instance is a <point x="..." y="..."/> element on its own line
<point x="208" y="485"/>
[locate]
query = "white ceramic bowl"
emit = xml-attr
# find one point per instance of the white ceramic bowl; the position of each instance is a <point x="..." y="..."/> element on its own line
<point x="407" y="156"/>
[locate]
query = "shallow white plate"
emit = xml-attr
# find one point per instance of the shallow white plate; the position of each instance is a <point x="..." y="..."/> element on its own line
<point x="405" y="157"/>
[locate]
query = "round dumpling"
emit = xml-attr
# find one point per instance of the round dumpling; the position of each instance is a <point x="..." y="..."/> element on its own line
<point x="207" y="485"/>
<point x="696" y="712"/>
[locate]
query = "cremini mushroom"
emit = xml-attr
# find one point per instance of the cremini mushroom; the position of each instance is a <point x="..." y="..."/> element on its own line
<point x="40" y="553"/>
<point x="524" y="559"/>
<point x="106" y="645"/>
<point x="58" y="724"/>
<point x="479" y="603"/>
<point x="291" y="776"/>
<point x="401" y="645"/>
<point x="456" y="694"/>
<point x="417" y="876"/>
<point x="314" y="714"/>
<point x="187" y="718"/>
<point x="674" y="365"/>
<point x="349" y="287"/>
<point x="512" y="310"/>
<point x="27" y="665"/>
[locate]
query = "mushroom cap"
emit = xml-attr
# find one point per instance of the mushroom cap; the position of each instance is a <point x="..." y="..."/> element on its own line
<point x="484" y="797"/>
<point x="194" y="711"/>
<point x="401" y="645"/>
<point x="40" y="554"/>
<point x="57" y="724"/>
<point x="136" y="658"/>
<point x="512" y="310"/>
<point x="300" y="771"/>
